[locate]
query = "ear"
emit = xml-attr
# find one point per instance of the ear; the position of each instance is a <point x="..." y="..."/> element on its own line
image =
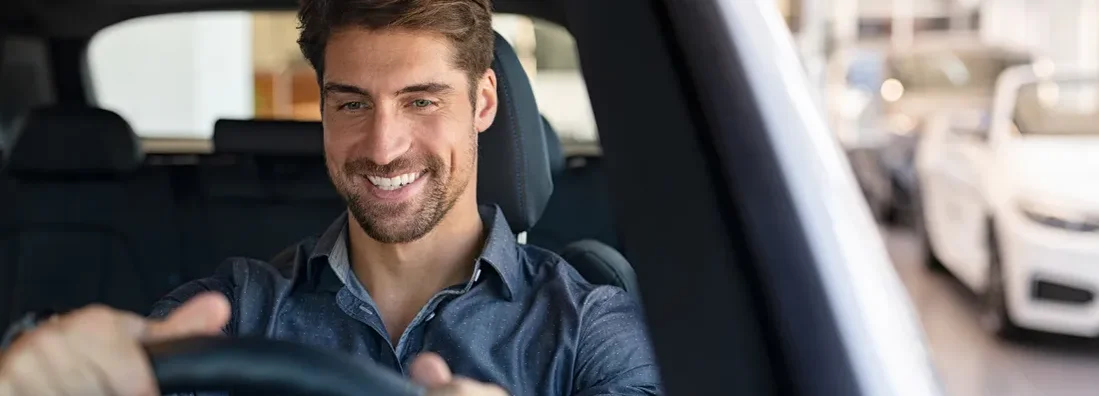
<point x="485" y="109"/>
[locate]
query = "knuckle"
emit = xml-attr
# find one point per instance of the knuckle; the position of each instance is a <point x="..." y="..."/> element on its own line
<point x="95" y="312"/>
<point x="37" y="339"/>
<point x="94" y="319"/>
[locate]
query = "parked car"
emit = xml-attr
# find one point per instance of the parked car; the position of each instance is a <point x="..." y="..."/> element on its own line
<point x="937" y="72"/>
<point x="1010" y="202"/>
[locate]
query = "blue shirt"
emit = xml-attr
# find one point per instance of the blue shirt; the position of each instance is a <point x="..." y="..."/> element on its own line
<point x="525" y="320"/>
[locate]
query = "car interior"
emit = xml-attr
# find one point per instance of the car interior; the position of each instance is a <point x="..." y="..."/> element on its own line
<point x="156" y="222"/>
<point x="738" y="297"/>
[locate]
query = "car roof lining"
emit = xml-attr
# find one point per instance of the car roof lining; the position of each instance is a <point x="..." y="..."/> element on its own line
<point x="82" y="18"/>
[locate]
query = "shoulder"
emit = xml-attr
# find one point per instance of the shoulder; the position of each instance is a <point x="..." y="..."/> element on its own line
<point x="550" y="275"/>
<point x="613" y="350"/>
<point x="246" y="282"/>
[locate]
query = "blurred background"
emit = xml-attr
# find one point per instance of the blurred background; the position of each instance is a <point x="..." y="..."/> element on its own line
<point x="970" y="125"/>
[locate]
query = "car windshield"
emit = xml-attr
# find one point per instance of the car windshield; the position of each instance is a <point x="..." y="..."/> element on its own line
<point x="1065" y="107"/>
<point x="949" y="70"/>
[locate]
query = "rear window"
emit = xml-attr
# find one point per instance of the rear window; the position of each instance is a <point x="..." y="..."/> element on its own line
<point x="173" y="76"/>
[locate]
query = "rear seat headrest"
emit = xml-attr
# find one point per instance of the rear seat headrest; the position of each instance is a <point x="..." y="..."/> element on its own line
<point x="69" y="139"/>
<point x="513" y="170"/>
<point x="269" y="137"/>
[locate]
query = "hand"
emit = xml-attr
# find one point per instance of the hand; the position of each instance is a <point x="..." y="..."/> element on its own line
<point x="431" y="371"/>
<point x="98" y="350"/>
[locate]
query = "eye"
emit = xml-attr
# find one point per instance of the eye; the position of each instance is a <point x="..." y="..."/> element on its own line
<point x="353" y="106"/>
<point x="422" y="103"/>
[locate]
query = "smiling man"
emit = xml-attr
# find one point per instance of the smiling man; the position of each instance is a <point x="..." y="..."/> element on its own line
<point x="416" y="275"/>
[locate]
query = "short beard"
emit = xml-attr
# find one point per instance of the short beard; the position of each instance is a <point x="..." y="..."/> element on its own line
<point x="438" y="198"/>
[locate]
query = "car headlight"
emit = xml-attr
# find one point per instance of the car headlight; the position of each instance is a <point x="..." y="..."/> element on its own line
<point x="1059" y="217"/>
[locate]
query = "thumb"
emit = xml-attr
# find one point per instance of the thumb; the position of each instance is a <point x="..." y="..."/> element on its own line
<point x="204" y="314"/>
<point x="430" y="370"/>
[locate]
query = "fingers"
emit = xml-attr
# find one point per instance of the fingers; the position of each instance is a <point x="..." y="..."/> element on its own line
<point x="430" y="370"/>
<point x="98" y="350"/>
<point x="204" y="314"/>
<point x="91" y="351"/>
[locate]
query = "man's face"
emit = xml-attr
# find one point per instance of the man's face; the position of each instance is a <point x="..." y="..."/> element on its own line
<point x="400" y="131"/>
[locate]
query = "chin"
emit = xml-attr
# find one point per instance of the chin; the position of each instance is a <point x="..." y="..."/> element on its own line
<point x="402" y="223"/>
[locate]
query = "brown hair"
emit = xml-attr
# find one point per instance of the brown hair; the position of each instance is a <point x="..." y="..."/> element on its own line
<point x="466" y="23"/>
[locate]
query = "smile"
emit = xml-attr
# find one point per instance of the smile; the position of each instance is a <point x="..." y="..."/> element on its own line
<point x="393" y="183"/>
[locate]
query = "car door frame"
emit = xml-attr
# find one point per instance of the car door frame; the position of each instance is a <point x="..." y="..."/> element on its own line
<point x="761" y="241"/>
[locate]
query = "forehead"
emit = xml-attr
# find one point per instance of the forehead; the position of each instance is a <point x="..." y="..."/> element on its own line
<point x="391" y="58"/>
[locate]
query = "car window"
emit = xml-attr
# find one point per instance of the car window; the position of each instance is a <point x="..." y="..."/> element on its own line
<point x="950" y="70"/>
<point x="1063" y="107"/>
<point x="173" y="76"/>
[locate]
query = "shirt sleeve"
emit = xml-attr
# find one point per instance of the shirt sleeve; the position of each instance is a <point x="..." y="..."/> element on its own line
<point x="614" y="354"/>
<point x="222" y="282"/>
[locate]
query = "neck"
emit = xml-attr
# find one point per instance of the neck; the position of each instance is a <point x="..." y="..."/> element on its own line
<point x="409" y="271"/>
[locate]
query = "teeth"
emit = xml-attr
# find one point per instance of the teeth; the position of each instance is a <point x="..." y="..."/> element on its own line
<point x="393" y="183"/>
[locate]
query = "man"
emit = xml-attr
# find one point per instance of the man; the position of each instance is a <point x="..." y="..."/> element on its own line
<point x="416" y="275"/>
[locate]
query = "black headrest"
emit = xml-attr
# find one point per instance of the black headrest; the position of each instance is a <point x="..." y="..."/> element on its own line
<point x="73" y="140"/>
<point x="553" y="147"/>
<point x="269" y="137"/>
<point x="513" y="170"/>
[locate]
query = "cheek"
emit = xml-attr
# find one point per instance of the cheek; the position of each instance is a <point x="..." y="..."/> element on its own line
<point x="444" y="137"/>
<point x="341" y="134"/>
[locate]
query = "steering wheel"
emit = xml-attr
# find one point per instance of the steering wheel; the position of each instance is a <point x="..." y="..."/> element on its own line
<point x="269" y="367"/>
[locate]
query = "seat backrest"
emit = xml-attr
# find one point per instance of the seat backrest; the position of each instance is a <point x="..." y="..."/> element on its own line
<point x="265" y="188"/>
<point x="580" y="207"/>
<point x="513" y="169"/>
<point x="82" y="223"/>
<point x="516" y="171"/>
<point x="601" y="264"/>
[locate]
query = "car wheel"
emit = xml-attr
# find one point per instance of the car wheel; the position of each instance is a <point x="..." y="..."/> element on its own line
<point x="994" y="313"/>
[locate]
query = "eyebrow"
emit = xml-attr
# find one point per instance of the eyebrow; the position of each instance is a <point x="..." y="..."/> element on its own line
<point x="332" y="88"/>
<point x="431" y="87"/>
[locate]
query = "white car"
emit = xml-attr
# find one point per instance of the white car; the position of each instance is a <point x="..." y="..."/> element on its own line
<point x="1010" y="201"/>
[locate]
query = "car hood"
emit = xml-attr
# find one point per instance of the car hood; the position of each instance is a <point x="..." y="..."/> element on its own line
<point x="1060" y="168"/>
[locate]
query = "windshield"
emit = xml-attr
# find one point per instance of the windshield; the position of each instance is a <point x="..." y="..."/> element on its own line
<point x="1065" y="107"/>
<point x="949" y="71"/>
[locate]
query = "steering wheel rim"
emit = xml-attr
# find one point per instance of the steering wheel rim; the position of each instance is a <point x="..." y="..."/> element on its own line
<point x="269" y="366"/>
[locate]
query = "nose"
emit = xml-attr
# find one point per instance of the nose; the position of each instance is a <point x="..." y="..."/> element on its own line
<point x="387" y="139"/>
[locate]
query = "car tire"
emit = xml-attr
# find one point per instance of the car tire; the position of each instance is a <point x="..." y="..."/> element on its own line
<point x="994" y="316"/>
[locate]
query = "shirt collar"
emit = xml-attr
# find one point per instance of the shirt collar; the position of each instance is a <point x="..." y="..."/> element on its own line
<point x="500" y="252"/>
